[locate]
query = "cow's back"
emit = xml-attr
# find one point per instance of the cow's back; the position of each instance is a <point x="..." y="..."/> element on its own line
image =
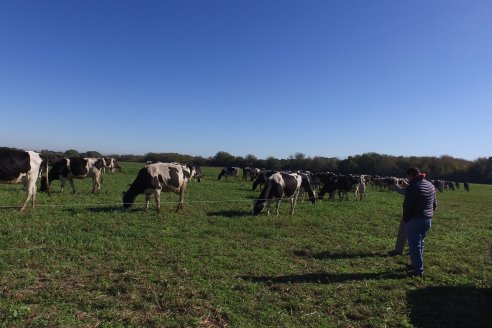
<point x="78" y="166"/>
<point x="13" y="162"/>
<point x="168" y="174"/>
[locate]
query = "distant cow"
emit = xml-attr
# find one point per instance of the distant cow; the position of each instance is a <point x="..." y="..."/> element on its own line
<point x="281" y="186"/>
<point x="154" y="178"/>
<point x="341" y="183"/>
<point x="360" y="188"/>
<point x="230" y="171"/>
<point x="198" y="175"/>
<point x="110" y="164"/>
<point x="250" y="173"/>
<point x="466" y="186"/>
<point x="19" y="166"/>
<point x="75" y="168"/>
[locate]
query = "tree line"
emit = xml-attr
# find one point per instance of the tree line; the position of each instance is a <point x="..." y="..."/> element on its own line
<point x="443" y="167"/>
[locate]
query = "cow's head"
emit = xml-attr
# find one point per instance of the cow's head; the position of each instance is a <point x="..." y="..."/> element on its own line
<point x="258" y="206"/>
<point x="127" y="201"/>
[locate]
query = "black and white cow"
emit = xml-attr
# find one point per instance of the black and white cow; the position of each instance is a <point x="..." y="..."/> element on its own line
<point x="19" y="166"/>
<point x="230" y="171"/>
<point x="342" y="183"/>
<point x="75" y="168"/>
<point x="198" y="175"/>
<point x="155" y="178"/>
<point x="466" y="186"/>
<point x="283" y="186"/>
<point x="262" y="178"/>
<point x="250" y="172"/>
<point x="110" y="164"/>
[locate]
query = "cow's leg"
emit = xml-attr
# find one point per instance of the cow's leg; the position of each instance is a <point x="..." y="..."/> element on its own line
<point x="29" y="196"/>
<point x="269" y="202"/>
<point x="30" y="183"/>
<point x="293" y="202"/>
<point x="181" y="200"/>
<point x="96" y="183"/>
<point x="147" y="201"/>
<point x="72" y="184"/>
<point x="157" y="195"/>
<point x="62" y="185"/>
<point x="278" y="206"/>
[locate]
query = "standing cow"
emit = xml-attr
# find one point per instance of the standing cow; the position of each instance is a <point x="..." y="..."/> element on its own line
<point x="230" y="171"/>
<point x="157" y="177"/>
<point x="19" y="166"/>
<point x="283" y="186"/>
<point x="75" y="168"/>
<point x="110" y="164"/>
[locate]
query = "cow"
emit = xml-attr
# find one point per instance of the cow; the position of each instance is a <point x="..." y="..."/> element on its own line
<point x="155" y="178"/>
<point x="19" y="166"/>
<point x="110" y="164"/>
<point x="342" y="183"/>
<point x="75" y="168"/>
<point x="360" y="188"/>
<point x="466" y="186"/>
<point x="250" y="173"/>
<point x="281" y="186"/>
<point x="198" y="175"/>
<point x="230" y="171"/>
<point x="262" y="178"/>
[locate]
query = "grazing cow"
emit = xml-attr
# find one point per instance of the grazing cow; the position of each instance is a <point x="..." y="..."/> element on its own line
<point x="19" y="166"/>
<point x="342" y="183"/>
<point x="466" y="186"/>
<point x="283" y="185"/>
<point x="230" y="171"/>
<point x="154" y="178"/>
<point x="111" y="164"/>
<point x="75" y="168"/>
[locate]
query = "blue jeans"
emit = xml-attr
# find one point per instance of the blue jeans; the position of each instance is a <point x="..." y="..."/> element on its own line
<point x="416" y="231"/>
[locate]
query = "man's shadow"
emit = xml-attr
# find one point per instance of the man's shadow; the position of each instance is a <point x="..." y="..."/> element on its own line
<point x="322" y="278"/>
<point x="450" y="306"/>
<point x="335" y="256"/>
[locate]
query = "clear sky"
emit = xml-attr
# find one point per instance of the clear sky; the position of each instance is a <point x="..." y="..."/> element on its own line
<point x="270" y="78"/>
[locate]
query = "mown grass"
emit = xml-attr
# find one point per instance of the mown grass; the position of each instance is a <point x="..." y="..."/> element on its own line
<point x="87" y="263"/>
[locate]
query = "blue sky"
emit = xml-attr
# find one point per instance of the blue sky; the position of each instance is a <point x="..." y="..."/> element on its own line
<point x="268" y="78"/>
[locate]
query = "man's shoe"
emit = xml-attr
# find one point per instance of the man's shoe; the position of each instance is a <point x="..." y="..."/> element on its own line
<point x="394" y="253"/>
<point x="416" y="274"/>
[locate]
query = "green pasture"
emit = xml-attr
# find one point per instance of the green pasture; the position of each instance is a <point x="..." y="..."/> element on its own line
<point x="82" y="262"/>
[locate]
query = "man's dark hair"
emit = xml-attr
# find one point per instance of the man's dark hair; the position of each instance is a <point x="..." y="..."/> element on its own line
<point x="413" y="171"/>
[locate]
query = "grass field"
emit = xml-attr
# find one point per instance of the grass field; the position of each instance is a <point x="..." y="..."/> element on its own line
<point x="86" y="263"/>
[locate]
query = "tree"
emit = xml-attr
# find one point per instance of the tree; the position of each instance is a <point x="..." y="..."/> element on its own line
<point x="71" y="153"/>
<point x="223" y="158"/>
<point x="92" y="153"/>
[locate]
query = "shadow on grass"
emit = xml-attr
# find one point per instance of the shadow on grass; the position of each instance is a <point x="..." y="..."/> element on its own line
<point x="450" y="306"/>
<point x="100" y="209"/>
<point x="230" y="213"/>
<point x="105" y="209"/>
<point x="334" y="256"/>
<point x="323" y="278"/>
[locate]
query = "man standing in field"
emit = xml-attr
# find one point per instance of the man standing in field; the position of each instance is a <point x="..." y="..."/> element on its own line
<point x="418" y="209"/>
